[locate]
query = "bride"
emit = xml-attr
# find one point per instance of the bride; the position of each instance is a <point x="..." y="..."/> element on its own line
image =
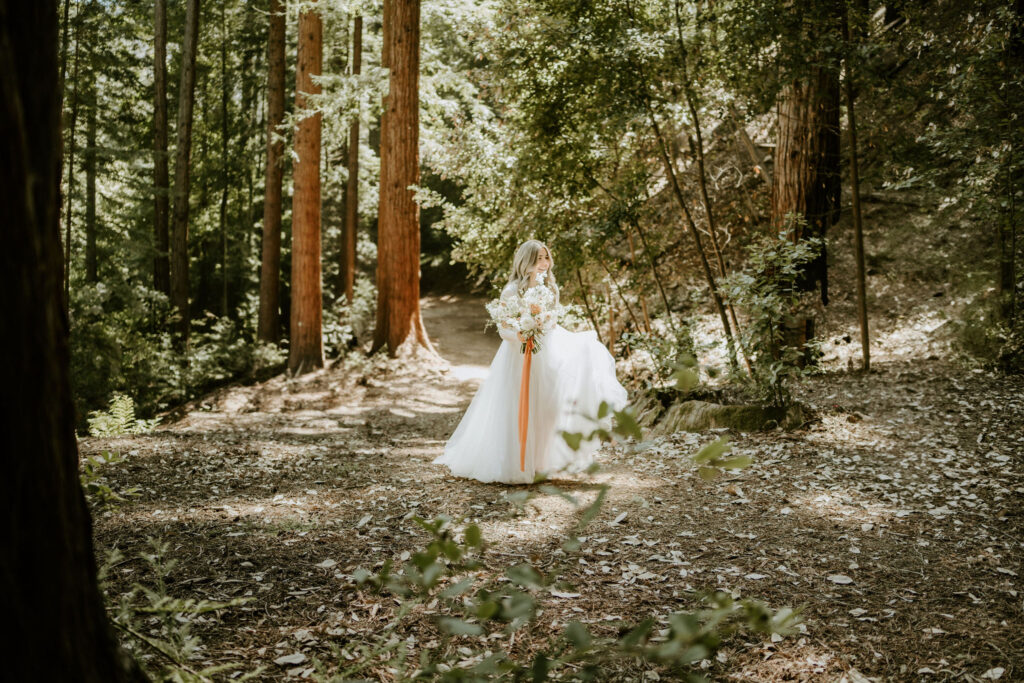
<point x="570" y="376"/>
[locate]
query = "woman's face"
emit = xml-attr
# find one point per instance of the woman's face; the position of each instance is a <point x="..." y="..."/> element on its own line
<point x="543" y="261"/>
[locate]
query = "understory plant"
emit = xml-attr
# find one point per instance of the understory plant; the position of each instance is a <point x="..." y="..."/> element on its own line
<point x="156" y="627"/>
<point x="450" y="576"/>
<point x="767" y="293"/>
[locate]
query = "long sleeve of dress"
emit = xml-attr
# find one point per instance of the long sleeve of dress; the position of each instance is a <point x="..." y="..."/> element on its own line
<point x="508" y="335"/>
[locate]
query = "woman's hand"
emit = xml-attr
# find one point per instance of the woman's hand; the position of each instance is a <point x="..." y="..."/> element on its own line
<point x="521" y="337"/>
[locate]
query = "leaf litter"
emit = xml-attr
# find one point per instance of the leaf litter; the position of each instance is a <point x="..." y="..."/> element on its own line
<point x="898" y="532"/>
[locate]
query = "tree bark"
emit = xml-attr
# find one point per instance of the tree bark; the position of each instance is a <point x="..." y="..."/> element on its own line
<point x="161" y="175"/>
<point x="858" y="232"/>
<point x="806" y="176"/>
<point x="179" y="236"/>
<point x="349" y="233"/>
<point x="91" y="260"/>
<point x="270" y="321"/>
<point x="48" y="586"/>
<point x="398" y="232"/>
<point x="224" y="177"/>
<point x="306" y="349"/>
<point x="68" y="219"/>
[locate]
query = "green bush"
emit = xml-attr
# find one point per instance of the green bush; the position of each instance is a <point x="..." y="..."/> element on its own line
<point x="119" y="418"/>
<point x="472" y="609"/>
<point x="983" y="335"/>
<point x="345" y="325"/>
<point x="767" y="294"/>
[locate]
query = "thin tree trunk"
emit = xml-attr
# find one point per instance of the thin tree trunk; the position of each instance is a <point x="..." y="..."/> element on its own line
<point x="654" y="274"/>
<point x="756" y="160"/>
<point x="349" y="234"/>
<point x="224" y="181"/>
<point x="611" y="322"/>
<point x="398" y="232"/>
<point x="48" y="582"/>
<point x="618" y="290"/>
<point x="270" y="321"/>
<point x="678" y="193"/>
<point x="179" y="233"/>
<point x="858" y="232"/>
<point x="91" y="260"/>
<point x="161" y="175"/>
<point x="586" y="305"/>
<point x="306" y="350"/>
<point x="64" y="54"/>
<point x="640" y="296"/>
<point x="710" y="215"/>
<point x="68" y="218"/>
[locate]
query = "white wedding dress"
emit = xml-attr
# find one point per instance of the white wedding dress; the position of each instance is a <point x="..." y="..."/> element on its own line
<point x="570" y="376"/>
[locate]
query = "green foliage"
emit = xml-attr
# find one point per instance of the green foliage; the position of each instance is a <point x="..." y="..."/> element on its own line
<point x="473" y="608"/>
<point x="347" y="325"/>
<point x="119" y="418"/>
<point x="982" y="334"/>
<point x="154" y="622"/>
<point x="97" y="490"/>
<point x="766" y="292"/>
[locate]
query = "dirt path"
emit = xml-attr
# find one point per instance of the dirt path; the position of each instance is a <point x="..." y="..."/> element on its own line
<point x="909" y="485"/>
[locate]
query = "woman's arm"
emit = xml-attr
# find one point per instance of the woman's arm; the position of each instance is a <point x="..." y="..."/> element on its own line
<point x="508" y="334"/>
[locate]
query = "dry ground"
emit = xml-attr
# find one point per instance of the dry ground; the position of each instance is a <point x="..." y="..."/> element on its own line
<point x="909" y="484"/>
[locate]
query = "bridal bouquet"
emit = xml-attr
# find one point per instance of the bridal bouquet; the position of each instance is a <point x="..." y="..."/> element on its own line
<point x="531" y="313"/>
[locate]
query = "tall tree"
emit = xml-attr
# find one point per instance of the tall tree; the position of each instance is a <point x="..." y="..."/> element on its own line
<point x="348" y="246"/>
<point x="48" y="586"/>
<point x="179" y="229"/>
<point x="161" y="176"/>
<point x="306" y="346"/>
<point x="805" y="182"/>
<point x="225" y="181"/>
<point x="858" y="230"/>
<point x="72" y="125"/>
<point x="91" y="258"/>
<point x="269" y="322"/>
<point x="398" y="231"/>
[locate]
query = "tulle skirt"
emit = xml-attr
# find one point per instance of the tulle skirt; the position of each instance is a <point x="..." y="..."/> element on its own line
<point x="569" y="378"/>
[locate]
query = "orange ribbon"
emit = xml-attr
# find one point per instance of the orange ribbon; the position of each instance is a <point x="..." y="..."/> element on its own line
<point x="524" y="404"/>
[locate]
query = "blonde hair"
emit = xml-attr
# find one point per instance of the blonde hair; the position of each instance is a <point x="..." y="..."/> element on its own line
<point x="524" y="260"/>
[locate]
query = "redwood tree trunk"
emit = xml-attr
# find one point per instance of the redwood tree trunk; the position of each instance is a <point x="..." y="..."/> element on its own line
<point x="224" y="175"/>
<point x="91" y="260"/>
<point x="270" y="321"/>
<point x="806" y="177"/>
<point x="306" y="348"/>
<point x="348" y="246"/>
<point x="161" y="176"/>
<point x="48" y="586"/>
<point x="179" y="235"/>
<point x="72" y="126"/>
<point x="398" y="232"/>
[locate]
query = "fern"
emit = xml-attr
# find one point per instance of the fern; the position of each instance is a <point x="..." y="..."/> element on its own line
<point x="119" y="418"/>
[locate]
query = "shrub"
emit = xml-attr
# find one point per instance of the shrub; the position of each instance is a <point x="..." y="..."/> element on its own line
<point x="767" y="293"/>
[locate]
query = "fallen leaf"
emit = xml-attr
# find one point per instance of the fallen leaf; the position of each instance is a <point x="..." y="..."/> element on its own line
<point x="297" y="658"/>
<point x="842" y="579"/>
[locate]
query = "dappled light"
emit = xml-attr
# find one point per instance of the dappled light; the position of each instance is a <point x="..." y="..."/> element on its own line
<point x="440" y="340"/>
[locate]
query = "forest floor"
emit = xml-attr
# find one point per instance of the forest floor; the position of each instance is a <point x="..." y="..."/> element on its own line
<point x="894" y="519"/>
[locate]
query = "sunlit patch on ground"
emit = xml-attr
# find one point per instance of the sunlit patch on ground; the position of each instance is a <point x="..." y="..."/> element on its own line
<point x="894" y="520"/>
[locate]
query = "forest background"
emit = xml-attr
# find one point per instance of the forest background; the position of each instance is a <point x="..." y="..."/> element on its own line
<point x="231" y="193"/>
<point x="615" y="131"/>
